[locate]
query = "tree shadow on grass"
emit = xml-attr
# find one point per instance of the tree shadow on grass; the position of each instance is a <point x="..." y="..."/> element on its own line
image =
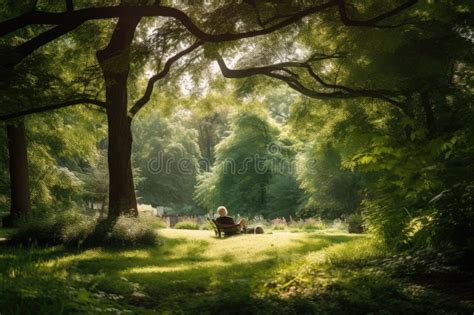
<point x="18" y="256"/>
<point x="190" y="280"/>
<point x="179" y="277"/>
<point x="316" y="242"/>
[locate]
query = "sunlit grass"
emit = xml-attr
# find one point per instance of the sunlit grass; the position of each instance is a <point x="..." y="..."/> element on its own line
<point x="189" y="263"/>
<point x="192" y="270"/>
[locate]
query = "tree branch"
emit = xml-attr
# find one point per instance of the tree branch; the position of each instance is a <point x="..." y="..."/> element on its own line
<point x="69" y="20"/>
<point x="42" y="109"/>
<point x="22" y="51"/>
<point x="160" y="75"/>
<point x="372" y="22"/>
<point x="80" y="16"/>
<point x="292" y="80"/>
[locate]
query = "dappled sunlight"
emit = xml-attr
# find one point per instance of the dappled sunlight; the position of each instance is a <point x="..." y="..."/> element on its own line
<point x="73" y="258"/>
<point x="207" y="264"/>
<point x="140" y="137"/>
<point x="135" y="254"/>
<point x="157" y="269"/>
<point x="195" y="267"/>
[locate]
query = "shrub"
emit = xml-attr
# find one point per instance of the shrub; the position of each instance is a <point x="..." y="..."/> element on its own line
<point x="279" y="227"/>
<point x="76" y="233"/>
<point x="355" y="224"/>
<point x="279" y="224"/>
<point x="337" y="224"/>
<point x="313" y="224"/>
<point x="155" y="222"/>
<point x="146" y="209"/>
<point x="131" y="232"/>
<point x="47" y="228"/>
<point x="310" y="224"/>
<point x="453" y="217"/>
<point x="295" y="225"/>
<point x="73" y="229"/>
<point x="257" y="220"/>
<point x="187" y="225"/>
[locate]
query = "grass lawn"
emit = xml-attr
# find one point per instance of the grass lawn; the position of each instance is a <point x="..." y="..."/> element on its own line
<point x="5" y="232"/>
<point x="194" y="272"/>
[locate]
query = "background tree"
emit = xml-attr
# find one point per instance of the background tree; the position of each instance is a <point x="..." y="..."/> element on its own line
<point x="20" y="199"/>
<point x="115" y="58"/>
<point x="332" y="191"/>
<point x="243" y="167"/>
<point x="209" y="116"/>
<point x="410" y="79"/>
<point x="95" y="186"/>
<point x="167" y="155"/>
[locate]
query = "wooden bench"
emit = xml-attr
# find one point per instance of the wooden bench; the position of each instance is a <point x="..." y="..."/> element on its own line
<point x="226" y="229"/>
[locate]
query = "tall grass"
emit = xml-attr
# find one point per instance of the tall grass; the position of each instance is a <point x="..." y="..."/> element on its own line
<point x="187" y="225"/>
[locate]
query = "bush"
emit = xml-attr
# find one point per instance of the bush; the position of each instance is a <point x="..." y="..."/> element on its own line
<point x="131" y="232"/>
<point x="49" y="229"/>
<point x="76" y="233"/>
<point x="187" y="225"/>
<point x="155" y="222"/>
<point x="337" y="224"/>
<point x="257" y="220"/>
<point x="313" y="224"/>
<point x="355" y="224"/>
<point x="279" y="224"/>
<point x="278" y="227"/>
<point x="73" y="229"/>
<point x="453" y="218"/>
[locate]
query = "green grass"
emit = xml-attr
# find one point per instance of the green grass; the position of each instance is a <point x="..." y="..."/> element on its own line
<point x="6" y="232"/>
<point x="194" y="272"/>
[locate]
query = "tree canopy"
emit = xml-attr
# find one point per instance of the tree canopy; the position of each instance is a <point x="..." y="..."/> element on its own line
<point x="376" y="96"/>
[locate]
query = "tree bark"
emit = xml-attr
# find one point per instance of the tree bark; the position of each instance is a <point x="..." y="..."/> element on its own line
<point x="115" y="64"/>
<point x="19" y="179"/>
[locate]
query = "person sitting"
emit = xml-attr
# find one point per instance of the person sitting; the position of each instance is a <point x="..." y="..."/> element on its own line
<point x="234" y="228"/>
<point x="228" y="222"/>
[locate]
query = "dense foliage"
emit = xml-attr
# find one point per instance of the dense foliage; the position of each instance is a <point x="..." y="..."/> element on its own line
<point x="252" y="171"/>
<point x="167" y="158"/>
<point x="323" y="117"/>
<point x="376" y="119"/>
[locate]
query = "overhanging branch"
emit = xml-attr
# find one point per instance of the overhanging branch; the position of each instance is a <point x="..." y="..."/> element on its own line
<point x="372" y="22"/>
<point x="80" y="16"/>
<point x="41" y="109"/>
<point x="71" y="19"/>
<point x="22" y="51"/>
<point x="279" y="71"/>
<point x="160" y="75"/>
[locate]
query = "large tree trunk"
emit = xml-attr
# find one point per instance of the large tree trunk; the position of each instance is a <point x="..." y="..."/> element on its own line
<point x="115" y="63"/>
<point x="19" y="180"/>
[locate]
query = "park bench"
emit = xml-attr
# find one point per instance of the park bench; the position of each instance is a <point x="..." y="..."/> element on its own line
<point x="226" y="229"/>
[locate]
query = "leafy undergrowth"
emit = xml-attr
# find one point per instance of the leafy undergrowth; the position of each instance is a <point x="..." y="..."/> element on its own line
<point x="360" y="277"/>
<point x="6" y="232"/>
<point x="76" y="230"/>
<point x="193" y="272"/>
